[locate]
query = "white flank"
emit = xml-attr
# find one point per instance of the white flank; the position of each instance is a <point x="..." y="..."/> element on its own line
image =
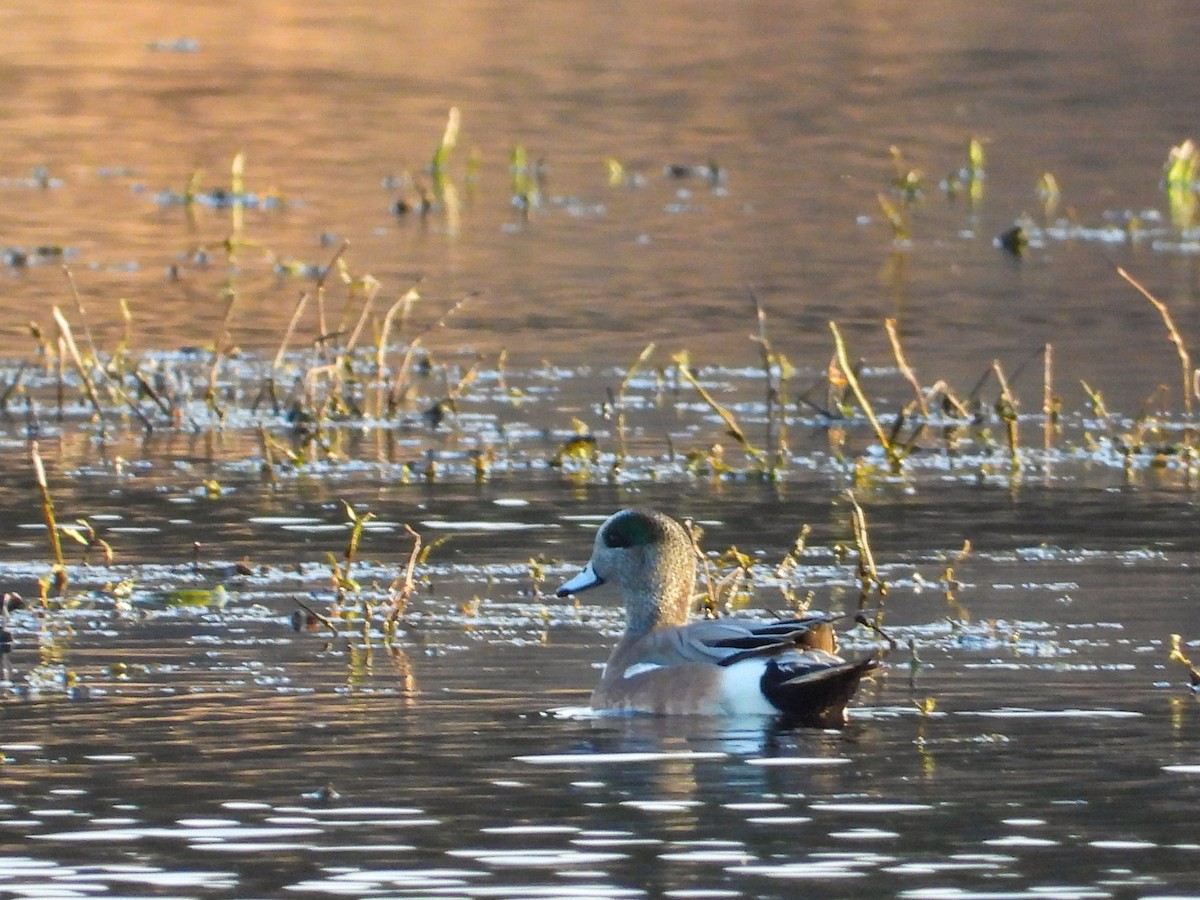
<point x="741" y="689"/>
<point x="639" y="668"/>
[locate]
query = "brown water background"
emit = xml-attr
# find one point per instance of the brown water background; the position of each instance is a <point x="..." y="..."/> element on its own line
<point x="175" y="749"/>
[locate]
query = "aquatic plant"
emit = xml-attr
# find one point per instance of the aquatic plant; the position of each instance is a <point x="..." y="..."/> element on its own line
<point x="58" y="571"/>
<point x="683" y="366"/>
<point x="895" y="453"/>
<point x="1179" y="175"/>
<point x="1177" y="655"/>
<point x="868" y="576"/>
<point x="1185" y="362"/>
<point x="402" y="589"/>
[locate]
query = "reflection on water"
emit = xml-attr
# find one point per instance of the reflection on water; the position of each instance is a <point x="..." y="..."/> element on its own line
<point x="432" y="801"/>
<point x="182" y="727"/>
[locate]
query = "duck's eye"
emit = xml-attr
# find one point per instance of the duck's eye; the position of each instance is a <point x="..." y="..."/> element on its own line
<point x="617" y="537"/>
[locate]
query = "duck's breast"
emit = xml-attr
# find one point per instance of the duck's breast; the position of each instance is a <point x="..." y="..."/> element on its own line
<point x="685" y="689"/>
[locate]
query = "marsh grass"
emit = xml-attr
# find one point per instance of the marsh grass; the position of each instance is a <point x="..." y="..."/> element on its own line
<point x="58" y="571"/>
<point x="374" y="370"/>
<point x="1179" y="176"/>
<point x="1177" y="655"/>
<point x="1185" y="361"/>
<point x="726" y="581"/>
<point x="315" y="390"/>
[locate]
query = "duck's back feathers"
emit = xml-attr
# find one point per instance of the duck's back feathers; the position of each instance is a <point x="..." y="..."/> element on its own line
<point x="812" y="631"/>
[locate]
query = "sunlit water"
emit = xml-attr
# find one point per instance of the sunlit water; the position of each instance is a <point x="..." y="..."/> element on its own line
<point x="179" y="729"/>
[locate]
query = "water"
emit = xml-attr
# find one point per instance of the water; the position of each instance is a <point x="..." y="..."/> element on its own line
<point x="169" y="733"/>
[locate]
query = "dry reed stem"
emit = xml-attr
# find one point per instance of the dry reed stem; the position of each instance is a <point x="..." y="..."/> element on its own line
<point x="867" y="573"/>
<point x="1047" y="396"/>
<point x="1009" y="413"/>
<point x="776" y="437"/>
<point x="319" y="289"/>
<point x="290" y="330"/>
<point x="843" y="360"/>
<point x="6" y="395"/>
<point x="113" y="384"/>
<point x="404" y="585"/>
<point x="619" y="401"/>
<point x="127" y="325"/>
<point x="61" y="374"/>
<point x="902" y="364"/>
<point x="1172" y="332"/>
<point x="324" y="620"/>
<point x="401" y="307"/>
<point x="372" y="291"/>
<point x="210" y="392"/>
<point x="39" y="475"/>
<point x="463" y="383"/>
<point x="415" y="343"/>
<point x="237" y="187"/>
<point x="735" y="430"/>
<point x="87" y="331"/>
<point x="64" y="329"/>
<point x="710" y="600"/>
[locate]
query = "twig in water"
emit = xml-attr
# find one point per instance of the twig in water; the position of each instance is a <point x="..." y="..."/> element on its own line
<point x="1049" y="402"/>
<point x="843" y="361"/>
<point x="1006" y="408"/>
<point x="210" y="393"/>
<point x="59" y="568"/>
<point x="64" y="329"/>
<point x="776" y="408"/>
<point x="1185" y="362"/>
<point x="1177" y="655"/>
<point x="683" y="366"/>
<point x="319" y="290"/>
<point x="619" y="404"/>
<point x="87" y="331"/>
<point x="868" y="575"/>
<point x="904" y="367"/>
<point x="328" y="623"/>
<point x="404" y="586"/>
<point x="709" y="600"/>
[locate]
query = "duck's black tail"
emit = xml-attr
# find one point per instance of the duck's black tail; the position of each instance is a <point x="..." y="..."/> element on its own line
<point x="813" y="694"/>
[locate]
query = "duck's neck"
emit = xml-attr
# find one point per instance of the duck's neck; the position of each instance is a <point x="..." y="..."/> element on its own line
<point x="663" y="599"/>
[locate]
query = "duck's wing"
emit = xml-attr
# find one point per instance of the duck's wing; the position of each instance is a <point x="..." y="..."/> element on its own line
<point x="723" y="642"/>
<point x="812" y="631"/>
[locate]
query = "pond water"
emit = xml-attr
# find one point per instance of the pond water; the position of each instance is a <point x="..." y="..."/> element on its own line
<point x="200" y="716"/>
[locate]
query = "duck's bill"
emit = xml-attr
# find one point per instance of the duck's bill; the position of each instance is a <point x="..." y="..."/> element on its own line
<point x="581" y="582"/>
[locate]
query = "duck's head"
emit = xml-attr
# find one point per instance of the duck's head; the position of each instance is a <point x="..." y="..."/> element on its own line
<point x="649" y="557"/>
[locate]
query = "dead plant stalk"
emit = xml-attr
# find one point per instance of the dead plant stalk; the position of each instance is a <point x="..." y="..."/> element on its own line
<point x="843" y="359"/>
<point x="1185" y="362"/>
<point x="39" y="475"/>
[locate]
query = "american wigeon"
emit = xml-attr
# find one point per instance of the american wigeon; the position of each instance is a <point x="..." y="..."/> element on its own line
<point x="664" y="664"/>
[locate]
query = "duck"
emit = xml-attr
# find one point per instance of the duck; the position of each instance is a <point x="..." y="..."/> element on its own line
<point x="667" y="664"/>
